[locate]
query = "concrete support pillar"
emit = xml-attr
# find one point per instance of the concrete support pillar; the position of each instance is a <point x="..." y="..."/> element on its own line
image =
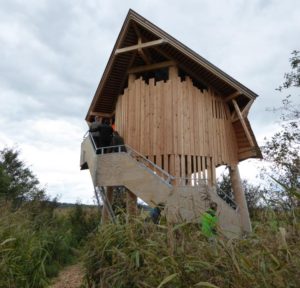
<point x="131" y="203"/>
<point x="240" y="198"/>
<point x="105" y="212"/>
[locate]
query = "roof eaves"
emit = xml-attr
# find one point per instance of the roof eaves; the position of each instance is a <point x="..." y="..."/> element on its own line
<point x="193" y="55"/>
<point x="110" y="61"/>
<point x="132" y="15"/>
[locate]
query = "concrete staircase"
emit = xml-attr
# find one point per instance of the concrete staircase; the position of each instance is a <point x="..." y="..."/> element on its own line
<point x="153" y="185"/>
<point x="127" y="169"/>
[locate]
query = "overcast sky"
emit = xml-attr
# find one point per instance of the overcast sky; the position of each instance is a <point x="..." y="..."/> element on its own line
<point x="53" y="54"/>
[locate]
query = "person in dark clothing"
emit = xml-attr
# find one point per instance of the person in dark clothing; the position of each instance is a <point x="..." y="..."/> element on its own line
<point x="117" y="140"/>
<point x="94" y="130"/>
<point x="155" y="213"/>
<point x="105" y="131"/>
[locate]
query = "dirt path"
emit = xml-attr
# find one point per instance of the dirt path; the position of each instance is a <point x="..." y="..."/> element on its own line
<point x="70" y="277"/>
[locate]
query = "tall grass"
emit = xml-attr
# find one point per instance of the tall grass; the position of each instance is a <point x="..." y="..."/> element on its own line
<point x="146" y="255"/>
<point x="35" y="242"/>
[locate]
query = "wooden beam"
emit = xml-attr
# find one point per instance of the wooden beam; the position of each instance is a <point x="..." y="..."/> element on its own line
<point x="233" y="116"/>
<point x="136" y="30"/>
<point x="146" y="57"/>
<point x="237" y="109"/>
<point x="232" y="96"/>
<point x="142" y="53"/>
<point x="140" y="46"/>
<point x="150" y="67"/>
<point x="247" y="107"/>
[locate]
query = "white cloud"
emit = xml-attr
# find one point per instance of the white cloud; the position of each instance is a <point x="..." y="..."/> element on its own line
<point x="53" y="55"/>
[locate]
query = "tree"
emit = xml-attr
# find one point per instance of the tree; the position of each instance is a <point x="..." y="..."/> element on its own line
<point x="253" y="193"/>
<point x="282" y="150"/>
<point x="18" y="183"/>
<point x="292" y="79"/>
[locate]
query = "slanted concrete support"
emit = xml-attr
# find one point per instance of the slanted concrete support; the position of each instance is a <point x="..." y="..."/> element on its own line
<point x="105" y="212"/>
<point x="131" y="203"/>
<point x="240" y="198"/>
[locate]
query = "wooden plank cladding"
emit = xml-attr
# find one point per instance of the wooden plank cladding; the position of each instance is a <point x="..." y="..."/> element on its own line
<point x="175" y="123"/>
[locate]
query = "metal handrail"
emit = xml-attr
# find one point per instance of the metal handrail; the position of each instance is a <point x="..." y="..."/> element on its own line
<point x="168" y="178"/>
<point x="136" y="155"/>
<point x="227" y="198"/>
<point x="156" y="169"/>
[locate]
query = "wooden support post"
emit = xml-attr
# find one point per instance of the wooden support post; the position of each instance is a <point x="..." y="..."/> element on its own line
<point x="232" y="96"/>
<point x="247" y="108"/>
<point x="240" y="198"/>
<point x="237" y="109"/>
<point x="131" y="203"/>
<point x="105" y="212"/>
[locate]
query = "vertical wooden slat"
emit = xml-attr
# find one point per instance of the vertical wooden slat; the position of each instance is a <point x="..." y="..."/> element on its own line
<point x="209" y="170"/>
<point x="206" y="125"/>
<point x="160" y="112"/>
<point x="213" y="171"/>
<point x="158" y="160"/>
<point x="201" y="124"/>
<point x="209" y="121"/>
<point x="175" y="82"/>
<point x="190" y="113"/>
<point x="189" y="166"/>
<point x="182" y="168"/>
<point x="186" y="123"/>
<point x="168" y="124"/>
<point x="224" y="136"/>
<point x="219" y="141"/>
<point x="196" y="122"/>
<point x="172" y="164"/>
<point x="142" y="119"/>
<point x="130" y="111"/>
<point x="151" y="116"/>
<point x="157" y="118"/>
<point x="199" y="166"/>
<point x="146" y="126"/>
<point x="166" y="162"/>
<point x="138" y="115"/>
<point x="124" y="115"/>
<point x="203" y="167"/>
<point x="180" y="118"/>
<point x="177" y="167"/>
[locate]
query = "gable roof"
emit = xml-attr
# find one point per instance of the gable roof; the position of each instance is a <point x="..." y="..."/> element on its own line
<point x="163" y="48"/>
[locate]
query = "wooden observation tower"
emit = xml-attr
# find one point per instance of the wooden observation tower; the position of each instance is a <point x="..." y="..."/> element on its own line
<point x="181" y="117"/>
